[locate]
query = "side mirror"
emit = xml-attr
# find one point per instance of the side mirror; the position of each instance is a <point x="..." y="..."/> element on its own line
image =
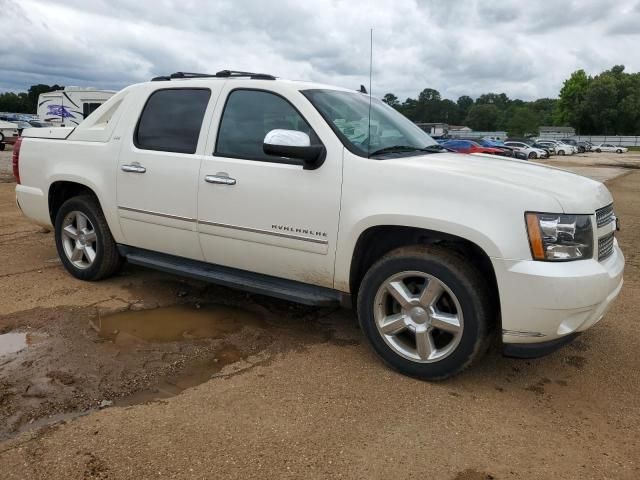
<point x="294" y="144"/>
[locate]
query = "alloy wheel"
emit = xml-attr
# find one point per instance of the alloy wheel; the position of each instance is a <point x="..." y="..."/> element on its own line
<point x="79" y="240"/>
<point x="418" y="316"/>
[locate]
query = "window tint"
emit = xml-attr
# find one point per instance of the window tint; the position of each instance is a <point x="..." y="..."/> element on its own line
<point x="171" y="120"/>
<point x="248" y="116"/>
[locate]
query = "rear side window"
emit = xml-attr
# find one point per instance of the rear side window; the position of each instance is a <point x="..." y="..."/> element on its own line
<point x="88" y="108"/>
<point x="248" y="116"/>
<point x="171" y="120"/>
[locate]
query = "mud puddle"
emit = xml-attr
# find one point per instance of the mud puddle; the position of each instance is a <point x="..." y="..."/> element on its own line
<point x="176" y="323"/>
<point x="75" y="360"/>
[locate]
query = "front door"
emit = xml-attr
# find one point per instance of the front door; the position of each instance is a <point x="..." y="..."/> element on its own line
<point x="157" y="177"/>
<point x="262" y="213"/>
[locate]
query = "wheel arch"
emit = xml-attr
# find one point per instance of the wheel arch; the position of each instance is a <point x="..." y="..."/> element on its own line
<point x="377" y="241"/>
<point x="62" y="190"/>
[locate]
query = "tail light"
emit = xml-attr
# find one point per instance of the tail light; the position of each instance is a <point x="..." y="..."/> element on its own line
<point x="16" y="159"/>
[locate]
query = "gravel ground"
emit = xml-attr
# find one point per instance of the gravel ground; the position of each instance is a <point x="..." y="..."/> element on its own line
<point x="292" y="391"/>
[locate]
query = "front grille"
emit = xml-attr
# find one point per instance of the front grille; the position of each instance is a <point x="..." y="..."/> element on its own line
<point x="604" y="215"/>
<point x="605" y="246"/>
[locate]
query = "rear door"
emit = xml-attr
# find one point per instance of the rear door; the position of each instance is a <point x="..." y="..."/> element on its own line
<point x="157" y="176"/>
<point x="270" y="216"/>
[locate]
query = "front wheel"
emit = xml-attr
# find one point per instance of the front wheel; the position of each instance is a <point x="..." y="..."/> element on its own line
<point x="83" y="239"/>
<point x="426" y="311"/>
<point x="561" y="152"/>
<point x="532" y="155"/>
<point x="618" y="151"/>
<point x="598" y="150"/>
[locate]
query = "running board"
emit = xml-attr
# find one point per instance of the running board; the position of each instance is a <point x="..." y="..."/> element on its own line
<point x="231" y="277"/>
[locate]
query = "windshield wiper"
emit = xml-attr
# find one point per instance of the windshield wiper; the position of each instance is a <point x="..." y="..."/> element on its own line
<point x="408" y="148"/>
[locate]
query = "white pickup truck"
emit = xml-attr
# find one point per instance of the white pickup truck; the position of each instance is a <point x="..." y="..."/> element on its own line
<point x="288" y="189"/>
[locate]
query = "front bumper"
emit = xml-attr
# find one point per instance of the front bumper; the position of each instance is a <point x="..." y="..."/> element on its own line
<point x="545" y="301"/>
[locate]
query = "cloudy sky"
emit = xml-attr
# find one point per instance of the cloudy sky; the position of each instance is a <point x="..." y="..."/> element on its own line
<point x="525" y="49"/>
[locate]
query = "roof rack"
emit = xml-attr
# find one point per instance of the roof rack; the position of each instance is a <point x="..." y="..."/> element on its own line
<point x="220" y="74"/>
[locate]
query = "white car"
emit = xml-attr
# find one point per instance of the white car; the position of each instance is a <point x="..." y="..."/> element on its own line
<point x="560" y="148"/>
<point x="283" y="188"/>
<point x="527" y="149"/>
<point x="8" y="133"/>
<point x="607" y="147"/>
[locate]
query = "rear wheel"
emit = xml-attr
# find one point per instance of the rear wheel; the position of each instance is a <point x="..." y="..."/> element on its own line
<point x="83" y="239"/>
<point x="426" y="311"/>
<point x="598" y="150"/>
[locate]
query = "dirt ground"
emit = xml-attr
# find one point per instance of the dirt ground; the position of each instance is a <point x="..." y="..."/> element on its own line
<point x="147" y="375"/>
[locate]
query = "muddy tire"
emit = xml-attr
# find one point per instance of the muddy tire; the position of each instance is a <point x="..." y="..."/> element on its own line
<point x="83" y="239"/>
<point x="426" y="311"/>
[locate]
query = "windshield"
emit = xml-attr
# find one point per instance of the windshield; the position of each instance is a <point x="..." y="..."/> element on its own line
<point x="348" y="116"/>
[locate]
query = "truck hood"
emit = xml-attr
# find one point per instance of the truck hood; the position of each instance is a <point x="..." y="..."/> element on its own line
<point x="59" y="133"/>
<point x="575" y="193"/>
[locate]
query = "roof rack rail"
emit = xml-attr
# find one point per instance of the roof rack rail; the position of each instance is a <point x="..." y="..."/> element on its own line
<point x="220" y="74"/>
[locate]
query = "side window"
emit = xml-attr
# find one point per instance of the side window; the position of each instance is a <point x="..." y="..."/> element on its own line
<point x="88" y="108"/>
<point x="171" y="120"/>
<point x="248" y="116"/>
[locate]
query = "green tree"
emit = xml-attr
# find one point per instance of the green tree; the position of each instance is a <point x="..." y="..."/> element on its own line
<point x="522" y="121"/>
<point x="483" y="117"/>
<point x="391" y="100"/>
<point x="569" y="109"/>
<point x="465" y="102"/>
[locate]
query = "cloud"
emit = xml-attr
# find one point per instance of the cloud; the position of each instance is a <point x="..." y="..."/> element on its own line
<point x="459" y="47"/>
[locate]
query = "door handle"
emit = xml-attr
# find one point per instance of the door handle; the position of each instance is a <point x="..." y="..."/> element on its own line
<point x="133" y="168"/>
<point x="220" y="179"/>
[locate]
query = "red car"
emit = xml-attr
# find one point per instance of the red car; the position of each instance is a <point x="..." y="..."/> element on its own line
<point x="469" y="146"/>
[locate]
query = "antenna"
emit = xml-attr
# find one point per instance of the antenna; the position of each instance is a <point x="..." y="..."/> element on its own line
<point x="370" y="77"/>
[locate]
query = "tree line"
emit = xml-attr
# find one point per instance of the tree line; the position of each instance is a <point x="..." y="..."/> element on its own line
<point x="25" y="102"/>
<point x="607" y="103"/>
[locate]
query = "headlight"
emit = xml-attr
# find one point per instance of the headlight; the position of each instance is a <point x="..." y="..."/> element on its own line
<point x="556" y="237"/>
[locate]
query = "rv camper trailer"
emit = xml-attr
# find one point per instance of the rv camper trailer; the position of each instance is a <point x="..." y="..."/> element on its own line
<point x="68" y="107"/>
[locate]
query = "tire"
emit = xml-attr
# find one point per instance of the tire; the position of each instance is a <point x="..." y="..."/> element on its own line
<point x="618" y="151"/>
<point x="532" y="155"/>
<point x="465" y="296"/>
<point x="561" y="152"/>
<point x="598" y="150"/>
<point x="581" y="150"/>
<point x="95" y="236"/>
<point x="2" y="147"/>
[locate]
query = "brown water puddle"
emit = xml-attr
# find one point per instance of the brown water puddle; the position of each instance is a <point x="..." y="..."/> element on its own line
<point x="180" y="323"/>
<point x="176" y="323"/>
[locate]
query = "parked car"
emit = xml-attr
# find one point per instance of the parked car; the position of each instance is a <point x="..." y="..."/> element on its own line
<point x="281" y="188"/>
<point x="560" y="148"/>
<point x="8" y="134"/>
<point x="508" y="151"/>
<point x="21" y="124"/>
<point x="470" y="146"/>
<point x="527" y="149"/>
<point x="550" y="149"/>
<point x="607" y="147"/>
<point x="580" y="146"/>
<point x="40" y="124"/>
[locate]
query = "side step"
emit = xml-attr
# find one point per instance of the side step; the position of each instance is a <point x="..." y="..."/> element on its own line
<point x="231" y="277"/>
